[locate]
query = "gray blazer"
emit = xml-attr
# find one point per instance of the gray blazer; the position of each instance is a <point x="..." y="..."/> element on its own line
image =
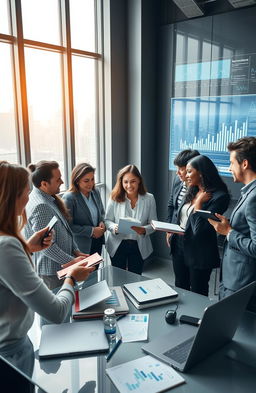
<point x="146" y="213"/>
<point x="239" y="257"/>
<point x="81" y="219"/>
<point x="40" y="209"/>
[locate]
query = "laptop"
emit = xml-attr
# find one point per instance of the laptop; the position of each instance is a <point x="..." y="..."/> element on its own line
<point x="76" y="338"/>
<point x="186" y="345"/>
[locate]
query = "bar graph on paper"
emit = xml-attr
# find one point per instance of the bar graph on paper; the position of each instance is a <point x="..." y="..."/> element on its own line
<point x="144" y="375"/>
<point x="208" y="124"/>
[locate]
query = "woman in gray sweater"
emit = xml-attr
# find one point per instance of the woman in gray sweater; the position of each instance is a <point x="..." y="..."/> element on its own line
<point x="22" y="292"/>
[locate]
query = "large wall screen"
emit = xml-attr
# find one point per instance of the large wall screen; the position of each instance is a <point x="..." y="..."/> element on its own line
<point x="213" y="95"/>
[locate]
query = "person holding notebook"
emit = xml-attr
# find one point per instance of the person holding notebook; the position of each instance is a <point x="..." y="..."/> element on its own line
<point x="22" y="291"/>
<point x="129" y="198"/>
<point x="197" y="250"/>
<point x="178" y="191"/>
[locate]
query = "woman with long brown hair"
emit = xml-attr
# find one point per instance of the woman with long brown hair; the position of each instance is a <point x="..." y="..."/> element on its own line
<point x="129" y="198"/>
<point x="22" y="292"/>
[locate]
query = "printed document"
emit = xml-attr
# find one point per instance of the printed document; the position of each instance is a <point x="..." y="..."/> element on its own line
<point x="134" y="327"/>
<point x="145" y="374"/>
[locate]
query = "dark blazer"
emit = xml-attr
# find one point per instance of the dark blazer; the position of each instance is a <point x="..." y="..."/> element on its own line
<point x="239" y="256"/>
<point x="173" y="200"/>
<point x="81" y="219"/>
<point x="200" y="239"/>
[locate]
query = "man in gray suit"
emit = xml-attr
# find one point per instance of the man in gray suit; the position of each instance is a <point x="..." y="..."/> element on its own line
<point x="44" y="203"/>
<point x="239" y="255"/>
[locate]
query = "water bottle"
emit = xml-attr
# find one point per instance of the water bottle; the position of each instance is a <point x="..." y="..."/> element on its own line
<point x="109" y="320"/>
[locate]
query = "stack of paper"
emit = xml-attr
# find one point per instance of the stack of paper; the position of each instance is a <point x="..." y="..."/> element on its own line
<point x="142" y="375"/>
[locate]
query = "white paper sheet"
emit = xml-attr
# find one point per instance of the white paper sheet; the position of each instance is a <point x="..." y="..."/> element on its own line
<point x="134" y="327"/>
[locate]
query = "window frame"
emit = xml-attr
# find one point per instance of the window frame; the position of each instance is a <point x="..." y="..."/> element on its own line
<point x="18" y="43"/>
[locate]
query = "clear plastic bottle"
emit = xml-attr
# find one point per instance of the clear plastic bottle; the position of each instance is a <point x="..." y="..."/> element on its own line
<point x="109" y="320"/>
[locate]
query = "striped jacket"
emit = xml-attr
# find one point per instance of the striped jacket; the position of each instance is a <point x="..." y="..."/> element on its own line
<point x="40" y="209"/>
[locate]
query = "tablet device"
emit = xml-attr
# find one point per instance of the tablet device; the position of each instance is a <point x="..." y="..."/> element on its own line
<point x="207" y="214"/>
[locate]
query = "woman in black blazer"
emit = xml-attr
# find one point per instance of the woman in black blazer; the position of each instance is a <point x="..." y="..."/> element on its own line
<point x="197" y="250"/>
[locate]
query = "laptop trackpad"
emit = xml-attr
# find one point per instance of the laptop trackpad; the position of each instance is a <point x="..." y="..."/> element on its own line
<point x="163" y="345"/>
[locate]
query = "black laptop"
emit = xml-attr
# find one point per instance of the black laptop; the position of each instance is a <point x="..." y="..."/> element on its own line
<point x="186" y="345"/>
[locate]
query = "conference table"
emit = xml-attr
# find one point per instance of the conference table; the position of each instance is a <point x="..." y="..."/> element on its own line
<point x="230" y="369"/>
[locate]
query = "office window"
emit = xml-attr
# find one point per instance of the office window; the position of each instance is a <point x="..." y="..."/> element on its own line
<point x="45" y="105"/>
<point x="82" y="22"/>
<point x="41" y="20"/>
<point x="85" y="109"/>
<point x="5" y="27"/>
<point x="8" y="145"/>
<point x="50" y="82"/>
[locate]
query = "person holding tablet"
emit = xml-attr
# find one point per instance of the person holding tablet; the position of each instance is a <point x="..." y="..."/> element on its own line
<point x="197" y="250"/>
<point x="22" y="291"/>
<point x="129" y="198"/>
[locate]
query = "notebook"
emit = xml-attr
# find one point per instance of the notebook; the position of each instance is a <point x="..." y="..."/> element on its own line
<point x="149" y="293"/>
<point x="116" y="300"/>
<point x="89" y="296"/>
<point x="90" y="261"/>
<point x="167" y="227"/>
<point x="73" y="339"/>
<point x="186" y="345"/>
<point x="125" y="224"/>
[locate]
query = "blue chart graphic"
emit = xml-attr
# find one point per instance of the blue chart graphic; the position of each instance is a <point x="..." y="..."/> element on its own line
<point x="141" y="376"/>
<point x="209" y="123"/>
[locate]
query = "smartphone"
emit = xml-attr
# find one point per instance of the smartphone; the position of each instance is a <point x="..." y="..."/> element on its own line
<point x="190" y="320"/>
<point x="51" y="224"/>
<point x="207" y="214"/>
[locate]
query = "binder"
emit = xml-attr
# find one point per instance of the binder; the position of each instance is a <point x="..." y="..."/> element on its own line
<point x="149" y="293"/>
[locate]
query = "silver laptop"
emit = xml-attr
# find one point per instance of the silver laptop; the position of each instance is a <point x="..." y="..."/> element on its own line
<point x="73" y="339"/>
<point x="186" y="345"/>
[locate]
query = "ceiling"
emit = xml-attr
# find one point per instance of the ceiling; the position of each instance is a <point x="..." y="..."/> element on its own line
<point x="178" y="10"/>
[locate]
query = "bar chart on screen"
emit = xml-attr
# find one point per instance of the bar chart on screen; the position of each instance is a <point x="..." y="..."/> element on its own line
<point x="208" y="124"/>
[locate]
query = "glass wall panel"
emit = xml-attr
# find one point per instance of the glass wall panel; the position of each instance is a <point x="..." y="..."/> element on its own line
<point x="82" y="21"/>
<point x="45" y="105"/>
<point x="41" y="20"/>
<point x="84" y="88"/>
<point x="5" y="27"/>
<point x="8" y="145"/>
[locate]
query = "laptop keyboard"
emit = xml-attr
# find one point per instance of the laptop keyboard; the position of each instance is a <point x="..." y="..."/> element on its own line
<point x="180" y="352"/>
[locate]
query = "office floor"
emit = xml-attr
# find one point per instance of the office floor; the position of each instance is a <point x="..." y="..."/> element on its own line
<point x="163" y="269"/>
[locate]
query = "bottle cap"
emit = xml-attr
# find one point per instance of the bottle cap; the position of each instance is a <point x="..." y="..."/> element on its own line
<point x="109" y="311"/>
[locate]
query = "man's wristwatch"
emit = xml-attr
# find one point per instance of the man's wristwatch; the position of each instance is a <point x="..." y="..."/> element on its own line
<point x="73" y="279"/>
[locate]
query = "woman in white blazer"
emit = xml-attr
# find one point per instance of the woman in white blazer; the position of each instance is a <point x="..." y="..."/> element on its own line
<point x="129" y="198"/>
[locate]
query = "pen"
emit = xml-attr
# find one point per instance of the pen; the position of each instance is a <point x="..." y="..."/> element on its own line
<point x="111" y="353"/>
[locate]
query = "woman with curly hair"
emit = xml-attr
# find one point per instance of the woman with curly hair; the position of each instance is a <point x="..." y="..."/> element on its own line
<point x="197" y="251"/>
